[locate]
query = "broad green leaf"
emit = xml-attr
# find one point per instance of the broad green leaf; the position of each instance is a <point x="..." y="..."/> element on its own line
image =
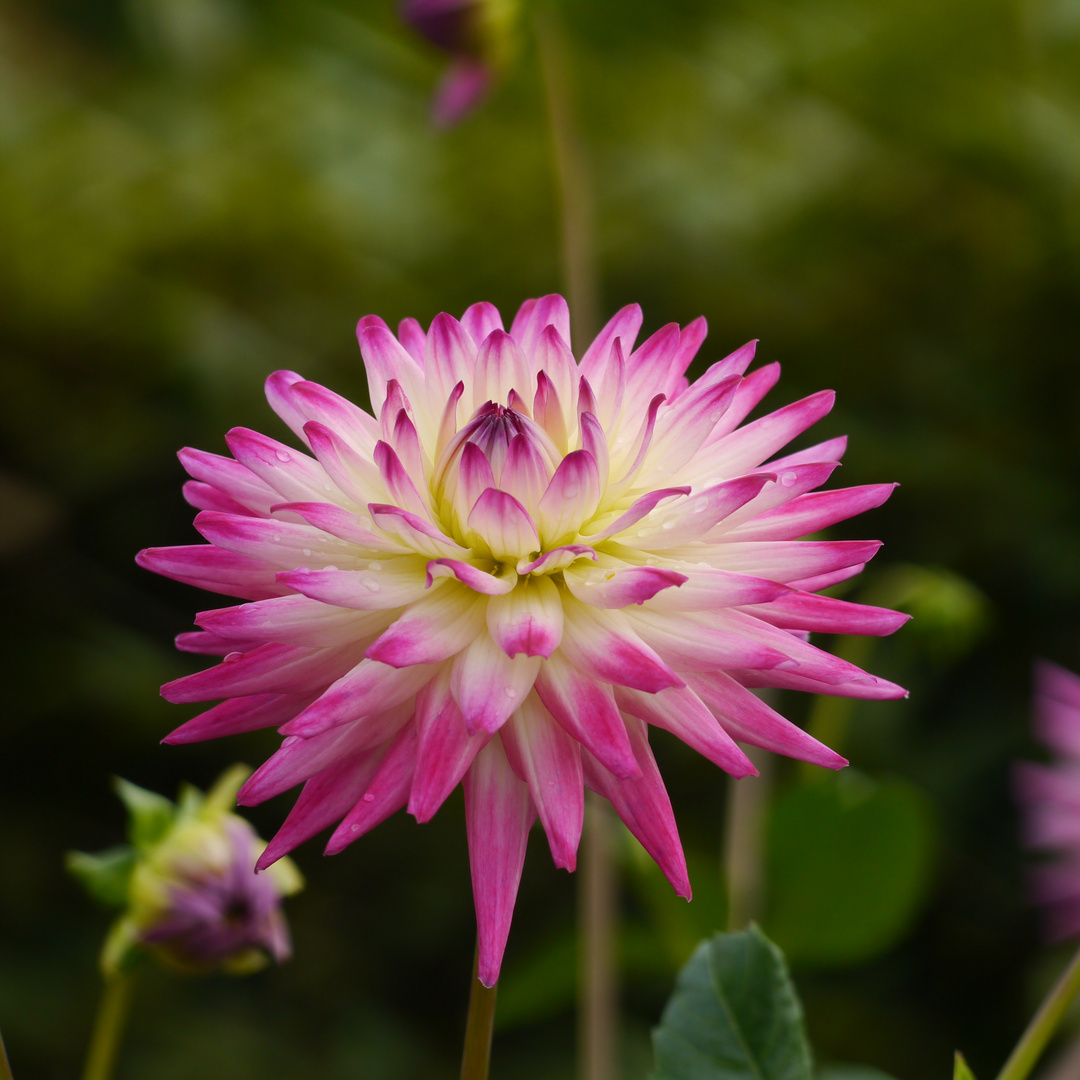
<point x="848" y="865"/>
<point x="149" y="814"/>
<point x="734" y="1016"/>
<point x="105" y="876"/>
<point x="961" y="1070"/>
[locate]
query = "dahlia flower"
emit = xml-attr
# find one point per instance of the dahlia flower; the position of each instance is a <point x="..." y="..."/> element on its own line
<point x="1049" y="796"/>
<point x="187" y="886"/>
<point x="507" y="574"/>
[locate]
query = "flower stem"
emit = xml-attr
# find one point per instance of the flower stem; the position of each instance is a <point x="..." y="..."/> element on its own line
<point x="744" y="841"/>
<point x="572" y="178"/>
<point x="1043" y="1024"/>
<point x="5" y="1065"/>
<point x="108" y="1028"/>
<point x="476" y="1057"/>
<point x="598" y="1015"/>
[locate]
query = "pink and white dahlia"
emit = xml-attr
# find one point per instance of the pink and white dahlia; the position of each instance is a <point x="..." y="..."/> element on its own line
<point x="507" y="574"/>
<point x="1049" y="796"/>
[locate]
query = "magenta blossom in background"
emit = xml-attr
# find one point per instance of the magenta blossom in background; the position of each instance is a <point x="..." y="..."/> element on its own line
<point x="474" y="33"/>
<point x="1049" y="796"/>
<point x="506" y="575"/>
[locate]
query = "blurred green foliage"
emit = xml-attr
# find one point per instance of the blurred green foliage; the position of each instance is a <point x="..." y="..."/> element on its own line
<point x="196" y="192"/>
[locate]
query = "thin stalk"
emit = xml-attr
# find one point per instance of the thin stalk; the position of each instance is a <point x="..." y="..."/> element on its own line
<point x="572" y="178"/>
<point x="108" y="1030"/>
<point x="744" y="841"/>
<point x="476" y="1057"/>
<point x="1043" y="1025"/>
<point x="5" y="1065"/>
<point x="598" y="1008"/>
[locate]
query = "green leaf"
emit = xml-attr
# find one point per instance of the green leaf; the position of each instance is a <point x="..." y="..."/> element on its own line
<point x="961" y="1070"/>
<point x="149" y="814"/>
<point x="852" y="1072"/>
<point x="848" y="864"/>
<point x="105" y="876"/>
<point x="734" y="1016"/>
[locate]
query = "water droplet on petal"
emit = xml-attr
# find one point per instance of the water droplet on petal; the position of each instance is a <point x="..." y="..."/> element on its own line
<point x="374" y="566"/>
<point x="307" y="553"/>
<point x="699" y="506"/>
<point x="509" y="691"/>
<point x="232" y="657"/>
<point x="788" y="478"/>
<point x="282" y="456"/>
<point x="289" y="740"/>
<point x="275" y="538"/>
<point x="354" y="828"/>
<point x="367" y="798"/>
<point x="329" y="567"/>
<point x="370" y="584"/>
<point x="668" y="525"/>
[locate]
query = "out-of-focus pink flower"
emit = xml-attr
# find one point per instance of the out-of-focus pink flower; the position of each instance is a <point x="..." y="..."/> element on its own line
<point x="1049" y="796"/>
<point x="476" y="35"/>
<point x="507" y="574"/>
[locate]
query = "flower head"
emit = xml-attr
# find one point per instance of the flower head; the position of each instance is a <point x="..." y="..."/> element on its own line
<point x="507" y="574"/>
<point x="188" y="884"/>
<point x="477" y="35"/>
<point x="1049" y="796"/>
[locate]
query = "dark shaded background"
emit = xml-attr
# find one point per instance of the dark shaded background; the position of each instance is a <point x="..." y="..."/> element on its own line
<point x="196" y="192"/>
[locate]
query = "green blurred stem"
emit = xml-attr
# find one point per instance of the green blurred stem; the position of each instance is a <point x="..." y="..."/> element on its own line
<point x="476" y="1057"/>
<point x="1043" y="1024"/>
<point x="744" y="841"/>
<point x="572" y="178"/>
<point x="109" y="1026"/>
<point x="598" y="1009"/>
<point x="5" y="1065"/>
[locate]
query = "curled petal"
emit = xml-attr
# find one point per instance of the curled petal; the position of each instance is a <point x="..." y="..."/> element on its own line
<point x="476" y="579"/>
<point x="528" y="620"/>
<point x="414" y="532"/>
<point x="619" y="588"/>
<point x="556" y="558"/>
<point x="638" y="509"/>
<point x="232" y="479"/>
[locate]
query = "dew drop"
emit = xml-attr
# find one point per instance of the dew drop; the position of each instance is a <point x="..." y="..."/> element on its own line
<point x="275" y="538"/>
<point x="232" y="658"/>
<point x="367" y="798"/>
<point x="788" y="478"/>
<point x="699" y="506"/>
<point x="328" y="488"/>
<point x="374" y="566"/>
<point x="307" y="553"/>
<point x="289" y="740"/>
<point x="330" y="567"/>
<point x="354" y="828"/>
<point x="668" y="525"/>
<point x="509" y="691"/>
<point x="282" y="456"/>
<point x="370" y="584"/>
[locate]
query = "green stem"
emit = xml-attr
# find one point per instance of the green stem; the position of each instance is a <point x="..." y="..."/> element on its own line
<point x="598" y="1015"/>
<point x="744" y="841"/>
<point x="5" y="1065"/>
<point x="108" y="1028"/>
<point x="572" y="177"/>
<point x="1043" y="1024"/>
<point x="476" y="1057"/>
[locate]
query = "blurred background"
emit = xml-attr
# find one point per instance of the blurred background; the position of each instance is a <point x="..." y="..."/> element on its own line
<point x="194" y="193"/>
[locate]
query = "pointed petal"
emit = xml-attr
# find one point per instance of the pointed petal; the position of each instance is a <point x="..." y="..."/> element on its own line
<point x="624" y="324"/>
<point x="476" y="579"/>
<point x="214" y="569"/>
<point x="392" y="584"/>
<point x="638" y="509"/>
<point x="812" y="512"/>
<point x="387" y="793"/>
<point x="480" y="320"/>
<point x="488" y="685"/>
<point x="414" y="532"/>
<point x="556" y="558"/>
<point x="644" y="806"/>
<point x="431" y="630"/>
<point x="293" y="620"/>
<point x="805" y="611"/>
<point x="549" y="761"/>
<point x="445" y="750"/>
<point x="231" y="478"/>
<point x="294" y="475"/>
<point x="238" y="716"/>
<point x="500" y="367"/>
<point x="604" y="588"/>
<point x="585" y="709"/>
<point x="498" y="815"/>
<point x="283" y="544"/>
<point x="747" y="718"/>
<point x="682" y="712"/>
<point x="504" y="525"/>
<point x="606" y="647"/>
<point x="571" y="497"/>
